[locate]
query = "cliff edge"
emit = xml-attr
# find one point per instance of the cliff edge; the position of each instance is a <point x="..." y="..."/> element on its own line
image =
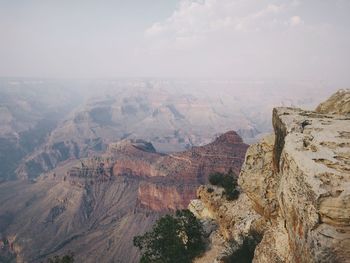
<point x="295" y="188"/>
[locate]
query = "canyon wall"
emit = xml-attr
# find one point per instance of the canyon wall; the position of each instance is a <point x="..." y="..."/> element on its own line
<point x="295" y="188"/>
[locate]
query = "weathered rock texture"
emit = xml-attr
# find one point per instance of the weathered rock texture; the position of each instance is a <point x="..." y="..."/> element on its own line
<point x="311" y="155"/>
<point x="298" y="183"/>
<point x="258" y="178"/>
<point x="339" y="103"/>
<point x="235" y="219"/>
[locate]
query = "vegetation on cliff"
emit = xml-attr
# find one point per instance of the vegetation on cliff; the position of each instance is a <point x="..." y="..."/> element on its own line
<point x="69" y="258"/>
<point x="245" y="252"/>
<point x="228" y="182"/>
<point x="172" y="239"/>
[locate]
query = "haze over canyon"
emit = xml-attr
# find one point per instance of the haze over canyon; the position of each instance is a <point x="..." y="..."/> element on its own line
<point x="177" y="131"/>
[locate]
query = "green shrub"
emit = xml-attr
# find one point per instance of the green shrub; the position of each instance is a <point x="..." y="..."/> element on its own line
<point x="232" y="195"/>
<point x="210" y="190"/>
<point x="64" y="259"/>
<point x="172" y="239"/>
<point x="228" y="182"/>
<point x="216" y="178"/>
<point x="245" y="252"/>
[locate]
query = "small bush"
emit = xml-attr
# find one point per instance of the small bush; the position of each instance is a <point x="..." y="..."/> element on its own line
<point x="232" y="195"/>
<point x="228" y="182"/>
<point x="64" y="259"/>
<point x="174" y="238"/>
<point x="245" y="253"/>
<point x="216" y="178"/>
<point x="210" y="190"/>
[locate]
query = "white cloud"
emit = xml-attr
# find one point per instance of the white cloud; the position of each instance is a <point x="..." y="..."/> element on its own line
<point x="260" y="19"/>
<point x="155" y="29"/>
<point x="247" y="38"/>
<point x="198" y="19"/>
<point x="295" y="21"/>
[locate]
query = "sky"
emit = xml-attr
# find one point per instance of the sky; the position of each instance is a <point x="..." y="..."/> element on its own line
<point x="233" y="39"/>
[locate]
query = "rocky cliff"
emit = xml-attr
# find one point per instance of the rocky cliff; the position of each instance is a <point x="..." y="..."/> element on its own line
<point x="295" y="190"/>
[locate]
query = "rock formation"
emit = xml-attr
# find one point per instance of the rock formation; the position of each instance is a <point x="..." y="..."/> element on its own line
<point x="295" y="189"/>
<point x="338" y="103"/>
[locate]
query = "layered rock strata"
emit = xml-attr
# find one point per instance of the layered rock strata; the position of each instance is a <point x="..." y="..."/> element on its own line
<point x="338" y="103"/>
<point x="168" y="182"/>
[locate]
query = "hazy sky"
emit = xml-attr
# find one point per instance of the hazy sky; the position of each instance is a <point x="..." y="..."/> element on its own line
<point x="244" y="39"/>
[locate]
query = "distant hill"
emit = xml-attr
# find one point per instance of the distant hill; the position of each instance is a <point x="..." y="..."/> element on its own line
<point x="29" y="111"/>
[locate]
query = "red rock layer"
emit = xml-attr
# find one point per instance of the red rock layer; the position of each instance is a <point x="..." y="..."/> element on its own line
<point x="158" y="197"/>
<point x="169" y="182"/>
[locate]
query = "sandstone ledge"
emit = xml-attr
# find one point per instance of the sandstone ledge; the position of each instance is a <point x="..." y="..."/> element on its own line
<point x="311" y="157"/>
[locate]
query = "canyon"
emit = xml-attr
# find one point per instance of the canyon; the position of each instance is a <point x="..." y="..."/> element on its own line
<point x="95" y="206"/>
<point x="45" y="122"/>
<point x="88" y="173"/>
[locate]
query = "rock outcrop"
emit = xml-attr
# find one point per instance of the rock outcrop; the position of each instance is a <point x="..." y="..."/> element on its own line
<point x="234" y="219"/>
<point x="338" y="103"/>
<point x="297" y="181"/>
<point x="311" y="155"/>
<point x="257" y="177"/>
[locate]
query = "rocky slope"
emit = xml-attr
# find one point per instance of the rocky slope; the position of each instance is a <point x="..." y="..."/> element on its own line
<point x="29" y="111"/>
<point x="296" y="191"/>
<point x="95" y="206"/>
